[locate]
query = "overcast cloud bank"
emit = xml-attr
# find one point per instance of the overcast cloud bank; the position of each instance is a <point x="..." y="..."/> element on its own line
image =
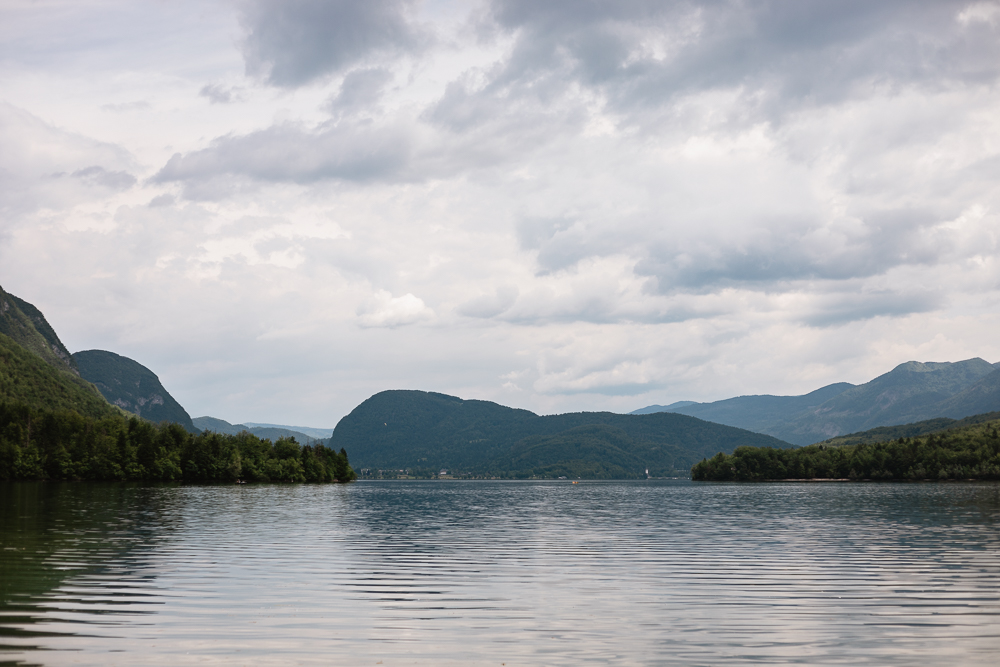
<point x="284" y="207"/>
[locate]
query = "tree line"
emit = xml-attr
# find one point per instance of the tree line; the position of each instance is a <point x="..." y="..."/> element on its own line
<point x="38" y="444"/>
<point x="964" y="453"/>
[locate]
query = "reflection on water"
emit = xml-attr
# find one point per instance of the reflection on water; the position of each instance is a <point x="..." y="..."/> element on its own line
<point x="487" y="573"/>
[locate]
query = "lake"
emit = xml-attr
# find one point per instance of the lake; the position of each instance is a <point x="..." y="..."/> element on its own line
<point x="500" y="573"/>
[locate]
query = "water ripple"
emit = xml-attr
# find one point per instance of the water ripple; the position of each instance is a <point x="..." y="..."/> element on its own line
<point x="490" y="573"/>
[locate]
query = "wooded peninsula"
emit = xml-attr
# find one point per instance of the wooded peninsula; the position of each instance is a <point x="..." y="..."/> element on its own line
<point x="971" y="452"/>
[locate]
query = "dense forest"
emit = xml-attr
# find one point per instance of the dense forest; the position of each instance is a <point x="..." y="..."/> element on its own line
<point x="970" y="452"/>
<point x="37" y="444"/>
<point x="25" y="377"/>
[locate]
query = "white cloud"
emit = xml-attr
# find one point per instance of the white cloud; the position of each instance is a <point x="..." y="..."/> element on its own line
<point x="980" y="12"/>
<point x="384" y="310"/>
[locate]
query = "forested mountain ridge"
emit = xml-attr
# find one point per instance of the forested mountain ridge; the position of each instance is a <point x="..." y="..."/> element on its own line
<point x="427" y="431"/>
<point x="911" y="392"/>
<point x="132" y="387"/>
<point x="27" y="379"/>
<point x="27" y="327"/>
<point x="969" y="452"/>
<point x="36" y="369"/>
<point x="914" y="429"/>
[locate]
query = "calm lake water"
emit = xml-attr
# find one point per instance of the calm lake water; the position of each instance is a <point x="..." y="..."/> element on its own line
<point x="494" y="573"/>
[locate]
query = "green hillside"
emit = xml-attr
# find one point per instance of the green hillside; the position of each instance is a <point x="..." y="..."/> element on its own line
<point x="965" y="453"/>
<point x="48" y="333"/>
<point x="132" y="387"/>
<point x="26" y="378"/>
<point x="423" y="431"/>
<point x="27" y="327"/>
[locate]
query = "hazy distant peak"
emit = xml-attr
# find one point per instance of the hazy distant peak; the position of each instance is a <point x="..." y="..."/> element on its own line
<point x="650" y="409"/>
<point x="936" y="366"/>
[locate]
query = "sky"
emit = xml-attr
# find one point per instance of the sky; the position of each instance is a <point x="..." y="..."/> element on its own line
<point x="282" y="207"/>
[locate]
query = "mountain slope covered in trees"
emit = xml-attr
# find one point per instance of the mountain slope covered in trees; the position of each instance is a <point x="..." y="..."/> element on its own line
<point x="27" y="327"/>
<point x="28" y="379"/>
<point x="36" y="369"/>
<point x="424" y="431"/>
<point x="132" y="387"/>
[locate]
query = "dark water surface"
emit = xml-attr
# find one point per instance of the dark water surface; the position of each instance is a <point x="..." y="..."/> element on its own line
<point x="521" y="573"/>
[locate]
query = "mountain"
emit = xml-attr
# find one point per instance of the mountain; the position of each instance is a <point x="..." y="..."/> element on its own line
<point x="35" y="367"/>
<point x="131" y="386"/>
<point x="983" y="396"/>
<point x="218" y="426"/>
<point x="756" y="413"/>
<point x="27" y="327"/>
<point x="312" y="432"/>
<point x="911" y="392"/>
<point x="25" y="377"/>
<point x="428" y="431"/>
<point x="265" y="432"/>
<point x="650" y="409"/>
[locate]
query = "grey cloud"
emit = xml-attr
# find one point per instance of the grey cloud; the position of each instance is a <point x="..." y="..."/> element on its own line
<point x="113" y="180"/>
<point x="645" y="52"/>
<point x="162" y="201"/>
<point x="761" y="254"/>
<point x="778" y="256"/>
<point x="360" y="88"/>
<point x="219" y="94"/>
<point x="292" y="42"/>
<point x="532" y="233"/>
<point x="840" y="309"/>
<point x="490" y="305"/>
<point x="291" y="153"/>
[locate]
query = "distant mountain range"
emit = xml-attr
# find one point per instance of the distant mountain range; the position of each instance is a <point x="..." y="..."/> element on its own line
<point x="911" y="392"/>
<point x="424" y="431"/>
<point x="264" y="431"/>
<point x="312" y="432"/>
<point x="132" y="387"/>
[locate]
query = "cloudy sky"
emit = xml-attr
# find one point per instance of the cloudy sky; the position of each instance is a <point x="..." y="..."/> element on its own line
<point x="282" y="207"/>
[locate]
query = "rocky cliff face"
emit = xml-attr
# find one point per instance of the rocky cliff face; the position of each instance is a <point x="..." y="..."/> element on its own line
<point x="131" y="386"/>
